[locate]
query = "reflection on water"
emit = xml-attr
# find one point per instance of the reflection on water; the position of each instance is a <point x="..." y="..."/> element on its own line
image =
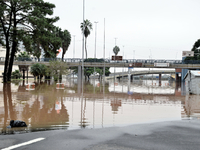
<point x="47" y="107"/>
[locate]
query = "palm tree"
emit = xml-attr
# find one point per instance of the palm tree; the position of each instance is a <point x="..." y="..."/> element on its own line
<point x="86" y="26"/>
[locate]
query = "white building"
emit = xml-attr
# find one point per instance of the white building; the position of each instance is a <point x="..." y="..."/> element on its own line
<point x="192" y="82"/>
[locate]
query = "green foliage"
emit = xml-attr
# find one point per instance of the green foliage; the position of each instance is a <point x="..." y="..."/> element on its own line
<point x="196" y="49"/>
<point x="65" y="38"/>
<point x="22" y="56"/>
<point x="90" y="70"/>
<point x="86" y="26"/>
<point x="100" y="71"/>
<point x="93" y="60"/>
<point x="16" y="74"/>
<point x="38" y="70"/>
<point x="29" y="22"/>
<point x="43" y="38"/>
<point x="116" y="50"/>
<point x="56" y="69"/>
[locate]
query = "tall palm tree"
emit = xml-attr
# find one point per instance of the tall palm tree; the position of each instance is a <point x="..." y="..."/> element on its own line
<point x="86" y="27"/>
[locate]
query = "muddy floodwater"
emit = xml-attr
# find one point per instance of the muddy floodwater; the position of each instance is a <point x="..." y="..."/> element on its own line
<point x="51" y="106"/>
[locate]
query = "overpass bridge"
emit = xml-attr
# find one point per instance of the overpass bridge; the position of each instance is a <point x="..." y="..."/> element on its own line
<point x="136" y="73"/>
<point x="137" y="63"/>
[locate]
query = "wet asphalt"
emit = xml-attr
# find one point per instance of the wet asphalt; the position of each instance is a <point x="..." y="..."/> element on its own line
<point x="173" y="135"/>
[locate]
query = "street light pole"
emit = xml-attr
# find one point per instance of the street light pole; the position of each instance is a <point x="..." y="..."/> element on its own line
<point x="104" y="55"/>
<point x="95" y="38"/>
<point x="73" y="54"/>
<point x="74" y="48"/>
<point x="83" y="41"/>
<point x="114" y="64"/>
<point x="82" y="69"/>
<point x="95" y="42"/>
<point x="115" y="41"/>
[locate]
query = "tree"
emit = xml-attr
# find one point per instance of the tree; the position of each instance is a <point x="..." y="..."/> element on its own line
<point x="57" y="69"/>
<point x="196" y="49"/>
<point x="23" y="56"/>
<point x="65" y="38"/>
<point x="116" y="50"/>
<point x="23" y="21"/>
<point x="90" y="70"/>
<point x="86" y="26"/>
<point x="16" y="74"/>
<point x="38" y="70"/>
<point x="99" y="70"/>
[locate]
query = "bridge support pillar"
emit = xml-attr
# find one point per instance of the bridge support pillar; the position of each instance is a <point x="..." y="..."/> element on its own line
<point x="159" y="79"/>
<point x="79" y="78"/>
<point x="24" y="68"/>
<point x="131" y="78"/>
<point x="23" y="74"/>
<point x="27" y="74"/>
<point x="178" y="74"/>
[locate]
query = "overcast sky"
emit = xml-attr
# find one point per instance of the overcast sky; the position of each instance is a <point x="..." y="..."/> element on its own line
<point x="143" y="29"/>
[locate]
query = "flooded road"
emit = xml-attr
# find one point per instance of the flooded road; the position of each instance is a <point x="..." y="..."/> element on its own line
<point x="50" y="106"/>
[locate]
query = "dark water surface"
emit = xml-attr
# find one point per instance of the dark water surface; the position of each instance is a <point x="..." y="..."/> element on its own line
<point x="47" y="106"/>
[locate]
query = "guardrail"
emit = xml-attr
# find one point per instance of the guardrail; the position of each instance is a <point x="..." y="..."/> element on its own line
<point x="71" y="60"/>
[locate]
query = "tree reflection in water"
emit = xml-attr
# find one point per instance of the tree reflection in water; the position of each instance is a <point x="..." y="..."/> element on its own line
<point x="37" y="110"/>
<point x="9" y="112"/>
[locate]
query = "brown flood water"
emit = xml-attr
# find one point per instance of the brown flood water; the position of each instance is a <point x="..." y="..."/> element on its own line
<point x="47" y="106"/>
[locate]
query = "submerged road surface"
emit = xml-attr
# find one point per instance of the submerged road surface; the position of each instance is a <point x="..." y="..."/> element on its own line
<point x="174" y="135"/>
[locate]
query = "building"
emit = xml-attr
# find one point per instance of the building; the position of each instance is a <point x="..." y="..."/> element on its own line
<point x="192" y="82"/>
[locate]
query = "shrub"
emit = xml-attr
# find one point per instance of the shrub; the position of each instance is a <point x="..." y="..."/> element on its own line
<point x="38" y="70"/>
<point x="16" y="74"/>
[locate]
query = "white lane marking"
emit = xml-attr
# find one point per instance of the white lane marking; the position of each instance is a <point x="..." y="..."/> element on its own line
<point x="23" y="144"/>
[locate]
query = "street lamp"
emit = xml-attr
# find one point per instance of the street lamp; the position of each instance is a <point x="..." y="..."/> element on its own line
<point x="83" y="43"/>
<point x="115" y="41"/>
<point x="74" y="48"/>
<point x="95" y="38"/>
<point x="95" y="42"/>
